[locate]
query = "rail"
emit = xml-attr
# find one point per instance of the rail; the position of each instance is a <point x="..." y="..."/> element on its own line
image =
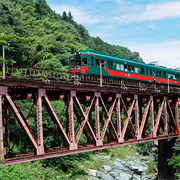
<point x="23" y="73"/>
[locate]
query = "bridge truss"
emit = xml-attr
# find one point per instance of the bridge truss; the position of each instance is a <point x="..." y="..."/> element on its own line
<point x="82" y="117"/>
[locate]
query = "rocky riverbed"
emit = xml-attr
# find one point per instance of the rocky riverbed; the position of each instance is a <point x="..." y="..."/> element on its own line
<point x="129" y="168"/>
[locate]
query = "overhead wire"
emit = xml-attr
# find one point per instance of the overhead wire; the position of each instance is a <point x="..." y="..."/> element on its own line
<point x="162" y="34"/>
<point x="90" y="11"/>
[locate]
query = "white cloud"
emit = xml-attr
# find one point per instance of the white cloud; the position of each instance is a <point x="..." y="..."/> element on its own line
<point x="79" y="16"/>
<point x="156" y="12"/>
<point x="165" y="53"/>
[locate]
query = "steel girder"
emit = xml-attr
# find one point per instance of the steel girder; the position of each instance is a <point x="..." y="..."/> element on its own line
<point x="103" y="118"/>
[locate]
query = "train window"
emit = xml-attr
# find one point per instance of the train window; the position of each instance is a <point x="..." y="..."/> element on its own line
<point x="72" y="63"/>
<point x="142" y="70"/>
<point x="129" y="68"/>
<point x="110" y="64"/>
<point x="84" y="61"/>
<point x="97" y="62"/>
<point x="159" y="73"/>
<point x="78" y="61"/>
<point x="117" y="66"/>
<point x="148" y="72"/>
<point x="92" y="61"/>
<point x="102" y="63"/>
<point x="177" y="76"/>
<point x="164" y="74"/>
<point x="125" y="67"/>
<point x="136" y="69"/>
<point x="122" y="67"/>
<point x="132" y="68"/>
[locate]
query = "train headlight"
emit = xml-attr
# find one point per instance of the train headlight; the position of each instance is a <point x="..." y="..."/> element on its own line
<point x="78" y="68"/>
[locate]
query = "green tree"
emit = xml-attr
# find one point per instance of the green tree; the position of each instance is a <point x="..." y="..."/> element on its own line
<point x="64" y="16"/>
<point x="70" y="17"/>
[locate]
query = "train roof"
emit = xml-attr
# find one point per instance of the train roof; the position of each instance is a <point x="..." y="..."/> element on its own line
<point x="150" y="65"/>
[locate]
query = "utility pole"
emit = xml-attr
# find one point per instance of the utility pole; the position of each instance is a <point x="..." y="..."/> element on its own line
<point x="3" y="77"/>
<point x="101" y="72"/>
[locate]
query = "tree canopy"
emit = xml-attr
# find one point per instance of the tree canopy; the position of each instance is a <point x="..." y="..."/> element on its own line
<point x="50" y="37"/>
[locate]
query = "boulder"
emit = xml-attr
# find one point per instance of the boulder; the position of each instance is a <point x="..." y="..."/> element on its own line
<point x="118" y="163"/>
<point x="107" y="168"/>
<point x="92" y="172"/>
<point x="104" y="176"/>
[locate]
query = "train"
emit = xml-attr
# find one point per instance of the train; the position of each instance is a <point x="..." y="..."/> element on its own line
<point x="94" y="63"/>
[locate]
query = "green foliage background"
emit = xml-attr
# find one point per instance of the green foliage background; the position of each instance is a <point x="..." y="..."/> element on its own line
<point x="49" y="37"/>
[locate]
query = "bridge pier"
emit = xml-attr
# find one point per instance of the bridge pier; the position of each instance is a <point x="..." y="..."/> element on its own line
<point x="165" y="152"/>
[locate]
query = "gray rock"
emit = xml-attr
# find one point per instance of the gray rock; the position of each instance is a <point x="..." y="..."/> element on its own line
<point x="148" y="177"/>
<point x="107" y="168"/>
<point x="104" y="176"/>
<point x="134" y="164"/>
<point x="136" y="177"/>
<point x="118" y="163"/>
<point x="121" y="175"/>
<point x="92" y="172"/>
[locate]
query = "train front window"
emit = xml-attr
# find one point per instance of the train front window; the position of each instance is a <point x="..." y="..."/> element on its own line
<point x="78" y="61"/>
<point x="72" y="63"/>
<point x="84" y="61"/>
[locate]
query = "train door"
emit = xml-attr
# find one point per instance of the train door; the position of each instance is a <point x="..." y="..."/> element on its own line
<point x="91" y="65"/>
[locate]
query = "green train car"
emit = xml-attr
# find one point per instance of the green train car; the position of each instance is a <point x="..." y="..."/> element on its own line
<point x="89" y="62"/>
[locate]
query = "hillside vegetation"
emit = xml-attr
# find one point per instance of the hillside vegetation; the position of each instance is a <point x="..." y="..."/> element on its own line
<point x="47" y="38"/>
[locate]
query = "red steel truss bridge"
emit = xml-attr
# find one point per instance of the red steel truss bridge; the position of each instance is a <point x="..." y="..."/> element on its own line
<point x="119" y="113"/>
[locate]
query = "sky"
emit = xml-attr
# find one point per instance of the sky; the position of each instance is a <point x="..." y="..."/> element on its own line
<point x="150" y="27"/>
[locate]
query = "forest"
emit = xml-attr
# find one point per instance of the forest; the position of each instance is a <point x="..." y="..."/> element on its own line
<point x="39" y="37"/>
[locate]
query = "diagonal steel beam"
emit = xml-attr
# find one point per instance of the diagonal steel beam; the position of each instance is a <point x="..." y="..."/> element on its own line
<point x="127" y="120"/>
<point x="165" y="116"/>
<point x="172" y="117"/>
<point x="103" y="106"/>
<point x="152" y="116"/>
<point x="56" y="120"/>
<point x="144" y="119"/>
<point x="123" y="105"/>
<point x="85" y="118"/>
<point x="158" y="118"/>
<point x="88" y="134"/>
<point x="25" y="119"/>
<point x="113" y="129"/>
<point x="106" y="122"/>
<point x="80" y="108"/>
<point x="22" y="123"/>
